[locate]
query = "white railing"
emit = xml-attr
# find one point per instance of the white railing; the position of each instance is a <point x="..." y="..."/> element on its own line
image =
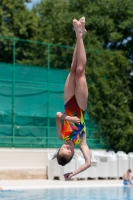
<point x="106" y="165"/>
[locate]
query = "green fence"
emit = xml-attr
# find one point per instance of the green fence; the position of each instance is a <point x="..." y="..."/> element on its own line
<point x="31" y="92"/>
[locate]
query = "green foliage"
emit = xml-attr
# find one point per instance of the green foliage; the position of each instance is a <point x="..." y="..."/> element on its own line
<point x="109" y="99"/>
<point x="16" y="21"/>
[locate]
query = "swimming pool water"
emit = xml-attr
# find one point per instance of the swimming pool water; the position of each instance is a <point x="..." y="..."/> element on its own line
<point x="94" y="193"/>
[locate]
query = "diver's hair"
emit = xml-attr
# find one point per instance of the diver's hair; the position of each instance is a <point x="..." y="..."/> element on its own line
<point x="129" y="170"/>
<point x="62" y="160"/>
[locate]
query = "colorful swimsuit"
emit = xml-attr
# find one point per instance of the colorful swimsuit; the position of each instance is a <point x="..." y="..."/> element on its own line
<point x="71" y="130"/>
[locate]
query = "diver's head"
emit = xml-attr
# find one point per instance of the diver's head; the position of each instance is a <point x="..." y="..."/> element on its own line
<point x="65" y="153"/>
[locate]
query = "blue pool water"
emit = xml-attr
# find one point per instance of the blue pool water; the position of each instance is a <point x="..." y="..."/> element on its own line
<point x="94" y="193"/>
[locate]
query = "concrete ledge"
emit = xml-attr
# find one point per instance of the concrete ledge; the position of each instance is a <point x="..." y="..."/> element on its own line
<point x="42" y="184"/>
<point x="16" y="174"/>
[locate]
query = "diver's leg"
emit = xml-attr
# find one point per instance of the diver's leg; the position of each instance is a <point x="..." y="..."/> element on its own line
<point x="69" y="89"/>
<point x="81" y="89"/>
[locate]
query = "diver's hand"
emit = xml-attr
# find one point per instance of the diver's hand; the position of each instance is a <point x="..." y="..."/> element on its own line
<point x="67" y="176"/>
<point x="75" y="120"/>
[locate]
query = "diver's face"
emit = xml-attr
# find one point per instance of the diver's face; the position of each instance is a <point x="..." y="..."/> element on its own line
<point x="67" y="148"/>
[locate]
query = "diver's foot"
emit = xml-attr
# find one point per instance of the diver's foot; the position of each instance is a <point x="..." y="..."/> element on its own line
<point x="82" y="21"/>
<point x="78" y="28"/>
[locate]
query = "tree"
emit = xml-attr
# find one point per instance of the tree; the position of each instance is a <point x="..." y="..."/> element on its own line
<point x="109" y="99"/>
<point x="16" y="21"/>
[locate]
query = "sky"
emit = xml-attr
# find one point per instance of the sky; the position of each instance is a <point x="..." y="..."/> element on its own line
<point x="29" y="5"/>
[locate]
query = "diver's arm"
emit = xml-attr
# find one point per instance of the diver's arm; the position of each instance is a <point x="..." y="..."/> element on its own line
<point x="63" y="116"/>
<point x="59" y="117"/>
<point x="59" y="127"/>
<point x="86" y="153"/>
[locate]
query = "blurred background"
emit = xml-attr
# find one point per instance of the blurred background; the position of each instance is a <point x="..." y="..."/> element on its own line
<point x="36" y="45"/>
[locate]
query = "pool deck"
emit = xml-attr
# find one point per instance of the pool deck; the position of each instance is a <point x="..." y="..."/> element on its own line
<point x="42" y="184"/>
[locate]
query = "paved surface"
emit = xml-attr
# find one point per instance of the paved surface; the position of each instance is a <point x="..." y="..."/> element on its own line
<point x="40" y="184"/>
